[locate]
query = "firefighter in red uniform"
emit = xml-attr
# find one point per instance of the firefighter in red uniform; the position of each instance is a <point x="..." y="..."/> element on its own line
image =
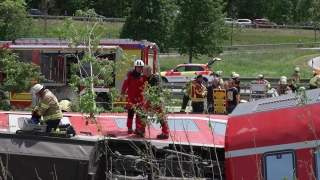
<point x="153" y="81"/>
<point x="197" y="94"/>
<point x="133" y="84"/>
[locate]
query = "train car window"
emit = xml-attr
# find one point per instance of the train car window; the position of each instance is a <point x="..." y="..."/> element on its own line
<point x="279" y="165"/>
<point x="317" y="161"/>
<point x="122" y="122"/>
<point x="218" y="127"/>
<point x="179" y="125"/>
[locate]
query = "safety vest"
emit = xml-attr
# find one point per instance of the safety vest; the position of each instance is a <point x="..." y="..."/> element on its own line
<point x="186" y="86"/>
<point x="197" y="92"/>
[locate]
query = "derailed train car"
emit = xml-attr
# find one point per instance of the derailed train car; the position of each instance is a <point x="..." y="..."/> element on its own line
<point x="275" y="138"/>
<point x="194" y="149"/>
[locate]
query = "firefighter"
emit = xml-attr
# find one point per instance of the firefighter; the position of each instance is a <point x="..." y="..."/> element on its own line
<point x="261" y="80"/>
<point x="218" y="75"/>
<point x="133" y="84"/>
<point x="197" y="94"/>
<point x="283" y="88"/>
<point x="232" y="96"/>
<point x="210" y="87"/>
<point x="315" y="82"/>
<point x="186" y="94"/>
<point x="65" y="105"/>
<point x="153" y="81"/>
<point x="295" y="77"/>
<point x="48" y="107"/>
<point x="235" y="77"/>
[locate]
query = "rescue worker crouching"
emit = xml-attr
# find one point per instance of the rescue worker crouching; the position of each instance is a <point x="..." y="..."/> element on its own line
<point x="65" y="105"/>
<point x="152" y="83"/>
<point x="133" y="85"/>
<point x="48" y="107"/>
<point x="197" y="94"/>
<point x="315" y="82"/>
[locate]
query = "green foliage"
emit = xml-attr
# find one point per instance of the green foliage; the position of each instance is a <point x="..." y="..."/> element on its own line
<point x="153" y="22"/>
<point x="13" y="22"/>
<point x="18" y="75"/>
<point x="199" y="28"/>
<point x="93" y="69"/>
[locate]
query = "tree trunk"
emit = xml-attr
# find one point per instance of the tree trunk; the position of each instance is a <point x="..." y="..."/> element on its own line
<point x="190" y="54"/>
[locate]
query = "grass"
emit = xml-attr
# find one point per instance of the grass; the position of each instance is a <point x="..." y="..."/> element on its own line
<point x="243" y="36"/>
<point x="274" y="63"/>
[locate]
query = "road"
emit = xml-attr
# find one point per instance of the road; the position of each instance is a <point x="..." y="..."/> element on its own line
<point x="314" y="63"/>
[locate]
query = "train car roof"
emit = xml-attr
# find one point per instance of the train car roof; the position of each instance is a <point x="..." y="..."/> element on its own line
<point x="185" y="129"/>
<point x="274" y="103"/>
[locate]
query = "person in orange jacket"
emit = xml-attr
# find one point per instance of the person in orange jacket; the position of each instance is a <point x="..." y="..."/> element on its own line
<point x="134" y="85"/>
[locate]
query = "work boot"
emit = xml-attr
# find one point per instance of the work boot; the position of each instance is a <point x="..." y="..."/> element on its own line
<point x="138" y="133"/>
<point x="130" y="131"/>
<point x="70" y="130"/>
<point x="162" y="136"/>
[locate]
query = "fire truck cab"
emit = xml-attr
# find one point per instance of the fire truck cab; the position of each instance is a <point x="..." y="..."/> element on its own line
<point x="55" y="58"/>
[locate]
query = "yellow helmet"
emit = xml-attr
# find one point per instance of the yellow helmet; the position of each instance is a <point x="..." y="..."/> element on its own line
<point x="296" y="69"/>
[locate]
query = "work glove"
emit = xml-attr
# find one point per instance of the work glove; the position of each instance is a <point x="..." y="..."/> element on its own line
<point x="122" y="96"/>
<point x="182" y="90"/>
<point x="34" y="115"/>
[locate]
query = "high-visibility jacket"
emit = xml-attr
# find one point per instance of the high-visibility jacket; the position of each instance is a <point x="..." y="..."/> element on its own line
<point x="48" y="106"/>
<point x="295" y="77"/>
<point x="65" y="105"/>
<point x="197" y="92"/>
<point x="284" y="91"/>
<point x="186" y="86"/>
<point x="315" y="81"/>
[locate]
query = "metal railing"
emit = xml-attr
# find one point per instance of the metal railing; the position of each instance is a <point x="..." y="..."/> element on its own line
<point x="76" y="18"/>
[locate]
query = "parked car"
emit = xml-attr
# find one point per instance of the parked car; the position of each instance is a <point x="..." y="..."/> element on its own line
<point x="35" y="12"/>
<point x="229" y="21"/>
<point x="264" y="23"/>
<point x="185" y="72"/>
<point x="244" y="22"/>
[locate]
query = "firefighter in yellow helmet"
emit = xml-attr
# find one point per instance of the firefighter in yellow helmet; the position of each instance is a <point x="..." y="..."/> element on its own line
<point x="65" y="105"/>
<point x="283" y="88"/>
<point x="48" y="107"/>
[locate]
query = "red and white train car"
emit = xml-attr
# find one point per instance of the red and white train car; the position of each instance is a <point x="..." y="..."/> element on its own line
<point x="274" y="138"/>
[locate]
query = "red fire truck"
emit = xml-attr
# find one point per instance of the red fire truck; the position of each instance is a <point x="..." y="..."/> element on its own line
<point x="55" y="57"/>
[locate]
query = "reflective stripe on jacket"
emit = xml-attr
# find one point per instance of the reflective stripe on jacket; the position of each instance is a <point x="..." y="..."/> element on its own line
<point x="197" y="92"/>
<point x="48" y="107"/>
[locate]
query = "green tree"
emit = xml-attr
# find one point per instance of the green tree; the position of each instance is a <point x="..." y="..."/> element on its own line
<point x="93" y="67"/>
<point x="17" y="76"/>
<point x="13" y="21"/>
<point x="199" y="28"/>
<point x="282" y="11"/>
<point x="150" y="20"/>
<point x="301" y="10"/>
<point x="315" y="16"/>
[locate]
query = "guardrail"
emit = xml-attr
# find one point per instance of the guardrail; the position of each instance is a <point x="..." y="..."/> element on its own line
<point x="244" y="86"/>
<point x="76" y="18"/>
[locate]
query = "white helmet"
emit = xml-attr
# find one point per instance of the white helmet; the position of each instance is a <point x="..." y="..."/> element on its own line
<point x="296" y="69"/>
<point x="283" y="81"/>
<point x="36" y="88"/>
<point x="139" y="63"/>
<point x="235" y="75"/>
<point x="283" y="77"/>
<point x="260" y="76"/>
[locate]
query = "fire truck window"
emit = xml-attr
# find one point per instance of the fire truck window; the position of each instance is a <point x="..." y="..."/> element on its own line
<point x="218" y="127"/>
<point x="52" y="67"/>
<point x="179" y="125"/>
<point x="317" y="162"/>
<point x="24" y="55"/>
<point x="279" y="165"/>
